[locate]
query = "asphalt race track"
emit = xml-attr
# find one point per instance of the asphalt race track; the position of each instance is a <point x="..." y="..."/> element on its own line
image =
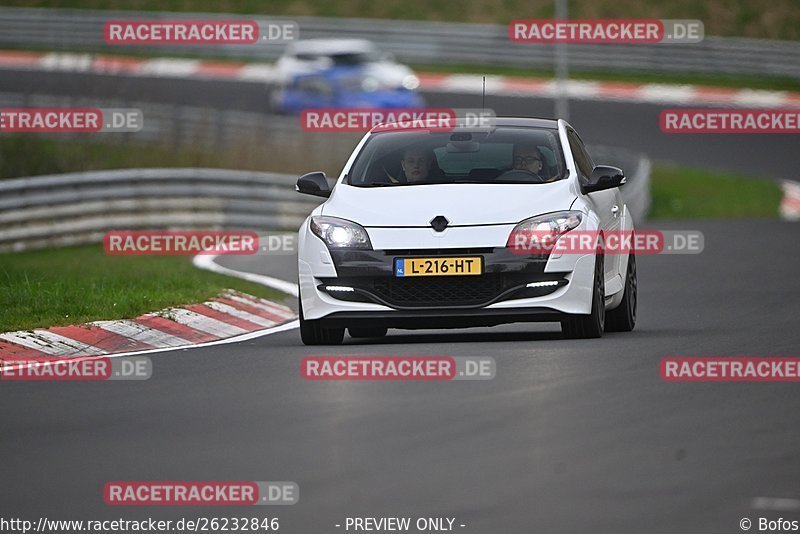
<point x="571" y="436"/>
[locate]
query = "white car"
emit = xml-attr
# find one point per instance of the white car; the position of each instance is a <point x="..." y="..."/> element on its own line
<point x="313" y="55"/>
<point x="417" y="233"/>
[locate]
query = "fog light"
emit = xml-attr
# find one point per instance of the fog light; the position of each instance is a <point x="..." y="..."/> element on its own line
<point x="548" y="283"/>
<point x="339" y="288"/>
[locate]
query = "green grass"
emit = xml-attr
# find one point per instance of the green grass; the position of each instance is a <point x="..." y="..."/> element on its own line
<point x="686" y="193"/>
<point x="31" y="155"/>
<point x="34" y="155"/>
<point x="78" y="284"/>
<point x="773" y="19"/>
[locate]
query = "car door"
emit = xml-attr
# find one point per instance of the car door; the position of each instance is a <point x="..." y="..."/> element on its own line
<point x="606" y="204"/>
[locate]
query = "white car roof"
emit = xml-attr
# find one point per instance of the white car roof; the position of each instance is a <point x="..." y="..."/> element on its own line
<point x="330" y="46"/>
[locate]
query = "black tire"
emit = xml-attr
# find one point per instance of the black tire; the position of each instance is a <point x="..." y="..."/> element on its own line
<point x="593" y="324"/>
<point x="367" y="332"/>
<point x="315" y="333"/>
<point x="623" y="317"/>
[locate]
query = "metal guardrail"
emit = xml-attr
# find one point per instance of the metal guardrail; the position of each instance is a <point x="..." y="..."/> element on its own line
<point x="68" y="209"/>
<point x="417" y="42"/>
<point x="77" y="208"/>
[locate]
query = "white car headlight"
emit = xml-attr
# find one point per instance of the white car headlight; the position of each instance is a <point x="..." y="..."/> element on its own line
<point x="410" y="82"/>
<point x="340" y="233"/>
<point x="544" y="228"/>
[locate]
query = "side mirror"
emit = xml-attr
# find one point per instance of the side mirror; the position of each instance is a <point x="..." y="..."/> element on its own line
<point x="603" y="177"/>
<point x="313" y="183"/>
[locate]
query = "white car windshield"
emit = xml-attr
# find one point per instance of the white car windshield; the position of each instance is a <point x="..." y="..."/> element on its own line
<point x="340" y="59"/>
<point x="503" y="155"/>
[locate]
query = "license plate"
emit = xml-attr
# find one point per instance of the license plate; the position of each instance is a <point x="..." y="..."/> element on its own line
<point x="438" y="266"/>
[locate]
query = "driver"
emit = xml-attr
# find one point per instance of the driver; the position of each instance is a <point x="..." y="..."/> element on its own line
<point x="527" y="157"/>
<point x="416" y="164"/>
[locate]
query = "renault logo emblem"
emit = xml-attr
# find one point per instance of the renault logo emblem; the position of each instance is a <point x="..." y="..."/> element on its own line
<point x="439" y="223"/>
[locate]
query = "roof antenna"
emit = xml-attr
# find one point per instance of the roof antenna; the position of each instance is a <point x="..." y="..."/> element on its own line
<point x="483" y="95"/>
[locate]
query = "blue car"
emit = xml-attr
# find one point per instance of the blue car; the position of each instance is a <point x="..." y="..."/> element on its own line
<point x="355" y="86"/>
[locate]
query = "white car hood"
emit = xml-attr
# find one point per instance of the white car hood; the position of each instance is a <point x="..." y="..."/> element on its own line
<point x="461" y="204"/>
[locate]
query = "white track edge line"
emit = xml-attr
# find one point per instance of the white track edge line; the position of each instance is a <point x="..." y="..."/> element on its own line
<point x="206" y="261"/>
